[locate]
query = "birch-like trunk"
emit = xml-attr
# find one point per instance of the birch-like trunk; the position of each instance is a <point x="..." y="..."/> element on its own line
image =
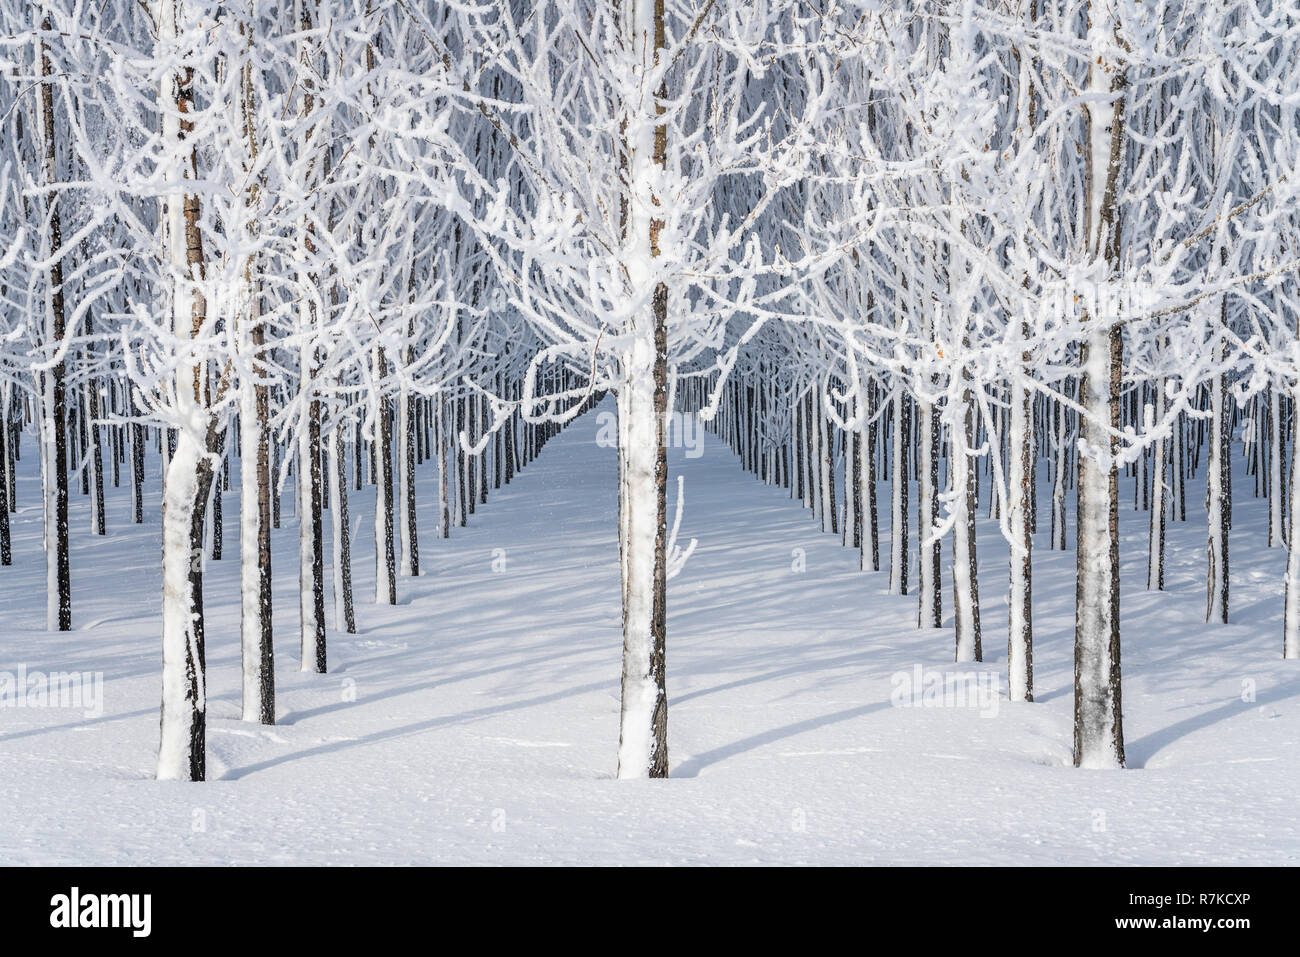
<point x="1064" y="451"/>
<point x="444" y="486"/>
<point x="311" y="535"/>
<point x="1216" y="506"/>
<point x="256" y="633"/>
<point x="643" y="726"/>
<point x="311" y="551"/>
<point x="54" y="450"/>
<point x="870" y="554"/>
<point x="1276" y="535"/>
<point x="385" y="562"/>
<point x="340" y="533"/>
<point x="929" y="545"/>
<point x="6" y="548"/>
<point x="965" y="577"/>
<point x="255" y="550"/>
<point x="1020" y="610"/>
<point x="1291" y="614"/>
<point x="898" y="556"/>
<point x="1098" y="715"/>
<point x="406" y="475"/>
<point x="1159" y="500"/>
<point x="181" y="753"/>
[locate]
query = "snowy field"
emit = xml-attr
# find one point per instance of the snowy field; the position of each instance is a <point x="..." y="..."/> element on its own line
<point x="477" y="721"/>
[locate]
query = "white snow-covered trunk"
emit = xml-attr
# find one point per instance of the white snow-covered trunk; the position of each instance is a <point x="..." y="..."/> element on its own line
<point x="49" y="503"/>
<point x="183" y="720"/>
<point x="806" y="451"/>
<point x="1276" y="536"/>
<point x="313" y="629"/>
<point x="965" y="581"/>
<point x="407" y="568"/>
<point x="254" y="584"/>
<point x="385" y="586"/>
<point x="182" y="727"/>
<point x="6" y="407"/>
<point x="826" y="450"/>
<point x="642" y="694"/>
<point x="95" y="465"/>
<point x="1097" y="729"/>
<point x="1064" y="449"/>
<point x="256" y="634"/>
<point x="815" y="454"/>
<point x="1177" y="493"/>
<point x="928" y="544"/>
<point x="851" y="516"/>
<point x="311" y="547"/>
<point x="1216" y="465"/>
<point x="898" y="558"/>
<point x="1020" y="619"/>
<point x="868" y="556"/>
<point x="340" y="559"/>
<point x="643" y="725"/>
<point x="1098" y="721"/>
<point x="1291" y="615"/>
<point x="54" y="475"/>
<point x="1159" y="502"/>
<point x="439" y="438"/>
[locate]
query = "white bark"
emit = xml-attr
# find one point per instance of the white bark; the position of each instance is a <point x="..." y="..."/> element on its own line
<point x="898" y="558"/>
<point x="1217" y="462"/>
<point x="1159" y="501"/>
<point x="642" y="748"/>
<point x="1095" y="653"/>
<point x="1291" y="615"/>
<point x="184" y="694"/>
<point x="403" y="485"/>
<point x="250" y="572"/>
<point x="1276" y="538"/>
<point x="1020" y="668"/>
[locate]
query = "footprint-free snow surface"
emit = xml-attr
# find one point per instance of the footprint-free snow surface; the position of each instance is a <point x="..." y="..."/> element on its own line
<point x="477" y="721"/>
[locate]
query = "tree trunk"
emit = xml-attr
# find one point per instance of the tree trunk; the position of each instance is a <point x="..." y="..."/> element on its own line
<point x="898" y="557"/>
<point x="181" y="753"/>
<point x="1064" y="452"/>
<point x="1291" y="616"/>
<point x="1159" y="499"/>
<point x="341" y="534"/>
<point x="965" y="577"/>
<point x="98" y="519"/>
<point x="385" y="561"/>
<point x="1098" y="713"/>
<point x="1276" y="535"/>
<point x="406" y="483"/>
<point x="929" y="545"/>
<point x="311" y="536"/>
<point x="444" y="486"/>
<point x="54" y="450"/>
<point x="1217" y="464"/>
<point x="6" y="550"/>
<point x="643" y="727"/>
<point x="1020" y="612"/>
<point x="1098" y="728"/>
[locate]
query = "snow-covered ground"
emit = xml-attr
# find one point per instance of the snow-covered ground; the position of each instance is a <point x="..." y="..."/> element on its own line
<point x="477" y="721"/>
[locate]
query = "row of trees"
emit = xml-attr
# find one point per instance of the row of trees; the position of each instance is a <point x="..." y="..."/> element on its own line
<point x="949" y="242"/>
